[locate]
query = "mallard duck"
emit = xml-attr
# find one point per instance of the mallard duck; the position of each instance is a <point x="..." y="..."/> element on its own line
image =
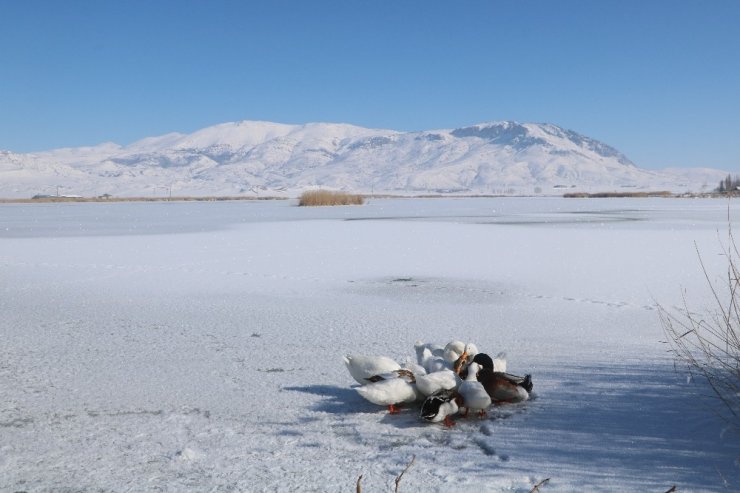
<point x="504" y="387"/>
<point x="473" y="393"/>
<point x="497" y="364"/>
<point x="392" y="391"/>
<point x="440" y="406"/>
<point x="362" y="368"/>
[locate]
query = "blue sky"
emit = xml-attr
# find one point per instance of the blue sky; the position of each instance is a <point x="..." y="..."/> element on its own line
<point x="659" y="80"/>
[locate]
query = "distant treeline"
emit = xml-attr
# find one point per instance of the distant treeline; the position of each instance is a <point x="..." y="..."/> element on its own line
<point x="729" y="184"/>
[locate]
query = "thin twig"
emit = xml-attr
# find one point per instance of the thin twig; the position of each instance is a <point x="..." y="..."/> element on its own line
<point x="536" y="488"/>
<point x="398" y="479"/>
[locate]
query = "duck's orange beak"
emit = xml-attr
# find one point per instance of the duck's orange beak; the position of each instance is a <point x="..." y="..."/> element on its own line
<point x="460" y="362"/>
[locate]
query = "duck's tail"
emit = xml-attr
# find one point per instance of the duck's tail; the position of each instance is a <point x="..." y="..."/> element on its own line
<point x="527" y="383"/>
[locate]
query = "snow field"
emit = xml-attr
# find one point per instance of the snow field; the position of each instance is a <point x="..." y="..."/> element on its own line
<point x="198" y="345"/>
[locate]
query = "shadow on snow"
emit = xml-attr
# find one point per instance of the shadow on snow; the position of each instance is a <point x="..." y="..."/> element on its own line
<point x="631" y="424"/>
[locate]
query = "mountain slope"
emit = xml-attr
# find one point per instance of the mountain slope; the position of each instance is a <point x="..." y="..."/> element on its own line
<point x="269" y="158"/>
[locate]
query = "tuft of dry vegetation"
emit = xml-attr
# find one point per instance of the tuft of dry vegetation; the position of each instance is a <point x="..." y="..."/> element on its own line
<point x="708" y="344"/>
<point x="358" y="487"/>
<point x="327" y="197"/>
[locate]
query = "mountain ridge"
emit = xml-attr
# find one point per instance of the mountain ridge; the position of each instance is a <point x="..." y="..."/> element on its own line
<point x="258" y="157"/>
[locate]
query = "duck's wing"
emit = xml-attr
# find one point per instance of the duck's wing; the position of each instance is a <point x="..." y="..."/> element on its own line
<point x="499" y="362"/>
<point x="525" y="382"/>
<point x="387" y="392"/>
<point x="362" y="367"/>
<point x="437" y="404"/>
<point x="432" y="383"/>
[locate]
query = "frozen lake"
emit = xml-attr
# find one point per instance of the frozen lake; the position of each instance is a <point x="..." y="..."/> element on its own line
<point x="197" y="345"/>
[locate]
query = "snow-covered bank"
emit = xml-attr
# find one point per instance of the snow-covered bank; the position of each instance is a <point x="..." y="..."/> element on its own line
<point x="198" y="345"/>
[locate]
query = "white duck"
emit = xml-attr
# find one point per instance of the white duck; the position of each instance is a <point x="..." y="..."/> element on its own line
<point x="391" y="392"/>
<point x="473" y="393"/>
<point x="419" y="347"/>
<point x="431" y="383"/>
<point x="457" y="354"/>
<point x="432" y="363"/>
<point x="362" y="368"/>
<point x="452" y="352"/>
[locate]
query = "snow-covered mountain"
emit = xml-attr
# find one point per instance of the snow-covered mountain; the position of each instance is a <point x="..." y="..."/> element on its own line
<point x="263" y="158"/>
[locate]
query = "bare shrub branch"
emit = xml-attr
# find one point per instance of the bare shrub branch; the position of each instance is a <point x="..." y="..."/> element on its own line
<point x="398" y="478"/>
<point x="708" y="344"/>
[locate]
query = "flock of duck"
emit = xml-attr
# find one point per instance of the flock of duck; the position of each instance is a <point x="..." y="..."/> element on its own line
<point x="448" y="379"/>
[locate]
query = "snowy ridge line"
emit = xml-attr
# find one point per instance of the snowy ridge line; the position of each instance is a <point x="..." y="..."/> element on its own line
<point x="255" y="159"/>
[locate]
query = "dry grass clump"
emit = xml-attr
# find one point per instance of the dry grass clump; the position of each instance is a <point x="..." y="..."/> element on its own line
<point x="327" y="197"/>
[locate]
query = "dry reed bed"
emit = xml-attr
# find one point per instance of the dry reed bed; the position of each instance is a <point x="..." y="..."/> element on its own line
<point x="327" y="197"/>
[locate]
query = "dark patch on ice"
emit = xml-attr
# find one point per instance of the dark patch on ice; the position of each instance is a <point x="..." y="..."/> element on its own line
<point x="272" y="370"/>
<point x="292" y="433"/>
<point x="486" y="447"/>
<point x="506" y="411"/>
<point x="138" y="412"/>
<point x="16" y="423"/>
<point x="255" y="334"/>
<point x="402" y="218"/>
<point x="432" y="289"/>
<point x="403" y="279"/>
<point x="524" y="219"/>
<point x="486" y="430"/>
<point x="398" y="442"/>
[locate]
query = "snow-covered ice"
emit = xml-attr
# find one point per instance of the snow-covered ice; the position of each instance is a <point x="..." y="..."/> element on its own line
<point x="198" y="346"/>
